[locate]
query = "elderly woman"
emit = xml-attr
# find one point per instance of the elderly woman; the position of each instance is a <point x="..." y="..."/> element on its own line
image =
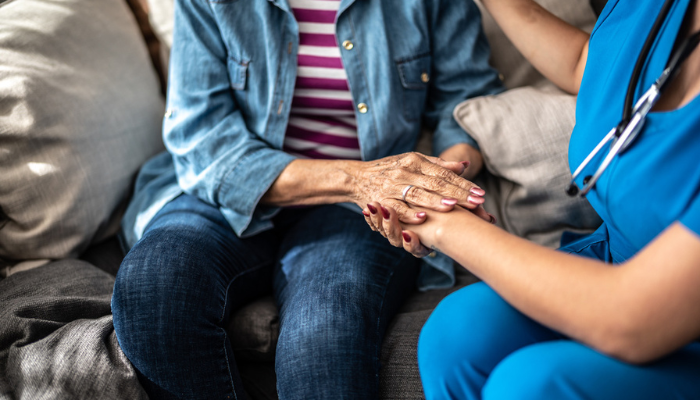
<point x="614" y="315"/>
<point x="283" y="119"/>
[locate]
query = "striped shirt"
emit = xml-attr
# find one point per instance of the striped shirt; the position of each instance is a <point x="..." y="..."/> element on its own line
<point x="322" y="122"/>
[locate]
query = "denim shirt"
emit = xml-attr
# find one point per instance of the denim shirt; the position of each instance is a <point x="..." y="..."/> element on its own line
<point x="232" y="75"/>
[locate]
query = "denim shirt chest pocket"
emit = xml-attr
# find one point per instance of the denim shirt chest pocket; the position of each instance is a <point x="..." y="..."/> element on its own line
<point x="238" y="77"/>
<point x="414" y="73"/>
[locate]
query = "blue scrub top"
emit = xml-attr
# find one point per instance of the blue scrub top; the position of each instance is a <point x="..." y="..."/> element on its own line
<point x="656" y="182"/>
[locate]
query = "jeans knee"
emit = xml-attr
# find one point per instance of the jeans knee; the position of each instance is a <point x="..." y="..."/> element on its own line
<point x="326" y="326"/>
<point x="159" y="288"/>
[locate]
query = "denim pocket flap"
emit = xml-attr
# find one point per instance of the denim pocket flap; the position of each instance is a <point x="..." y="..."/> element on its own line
<point x="415" y="71"/>
<point x="238" y="73"/>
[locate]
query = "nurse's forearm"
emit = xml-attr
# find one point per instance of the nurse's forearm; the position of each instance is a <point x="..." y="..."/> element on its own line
<point x="546" y="285"/>
<point x="633" y="311"/>
<point x="557" y="49"/>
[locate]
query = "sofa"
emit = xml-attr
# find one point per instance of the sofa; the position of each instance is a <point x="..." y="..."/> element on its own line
<point x="81" y="104"/>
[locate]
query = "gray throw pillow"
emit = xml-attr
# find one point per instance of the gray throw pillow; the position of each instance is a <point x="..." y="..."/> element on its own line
<point x="80" y="111"/>
<point x="524" y="138"/>
<point x="56" y="337"/>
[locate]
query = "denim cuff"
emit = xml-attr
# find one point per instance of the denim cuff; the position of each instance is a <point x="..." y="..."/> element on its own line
<point x="448" y="134"/>
<point x="244" y="186"/>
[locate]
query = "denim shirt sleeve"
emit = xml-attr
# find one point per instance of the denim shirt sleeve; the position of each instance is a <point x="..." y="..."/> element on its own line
<point x="460" y="69"/>
<point x="216" y="157"/>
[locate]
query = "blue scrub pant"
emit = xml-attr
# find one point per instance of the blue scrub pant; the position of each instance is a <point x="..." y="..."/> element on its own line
<point x="477" y="346"/>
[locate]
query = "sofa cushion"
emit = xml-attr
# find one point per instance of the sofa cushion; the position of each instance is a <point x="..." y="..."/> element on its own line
<point x="80" y="111"/>
<point x="524" y="137"/>
<point x="56" y="337"/>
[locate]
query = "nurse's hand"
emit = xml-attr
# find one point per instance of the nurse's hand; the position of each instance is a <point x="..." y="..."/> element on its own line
<point x="427" y="182"/>
<point x="417" y="239"/>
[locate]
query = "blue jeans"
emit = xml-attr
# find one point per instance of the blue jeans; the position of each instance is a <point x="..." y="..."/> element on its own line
<point x="337" y="285"/>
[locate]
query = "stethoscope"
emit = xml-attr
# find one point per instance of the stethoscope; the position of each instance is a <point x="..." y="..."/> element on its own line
<point x="625" y="133"/>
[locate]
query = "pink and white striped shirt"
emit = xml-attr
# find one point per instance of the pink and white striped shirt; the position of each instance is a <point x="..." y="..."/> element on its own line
<point x="322" y="121"/>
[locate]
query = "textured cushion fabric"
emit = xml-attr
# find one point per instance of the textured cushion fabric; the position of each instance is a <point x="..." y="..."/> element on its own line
<point x="254" y="330"/>
<point x="161" y="15"/>
<point x="524" y="137"/>
<point x="399" y="377"/>
<point x="516" y="71"/>
<point x="56" y="337"/>
<point x="140" y="11"/>
<point x="80" y="111"/>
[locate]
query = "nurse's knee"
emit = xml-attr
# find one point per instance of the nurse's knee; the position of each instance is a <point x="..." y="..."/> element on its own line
<point x="456" y="340"/>
<point x="541" y="371"/>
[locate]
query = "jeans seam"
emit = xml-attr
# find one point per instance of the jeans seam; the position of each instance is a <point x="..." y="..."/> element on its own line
<point x="379" y="317"/>
<point x="378" y="352"/>
<point x="228" y="366"/>
<point x="254" y="269"/>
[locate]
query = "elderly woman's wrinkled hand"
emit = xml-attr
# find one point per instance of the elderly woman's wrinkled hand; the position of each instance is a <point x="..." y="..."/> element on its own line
<point x="415" y="179"/>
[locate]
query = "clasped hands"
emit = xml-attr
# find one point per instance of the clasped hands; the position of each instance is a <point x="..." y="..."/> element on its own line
<point x="415" y="192"/>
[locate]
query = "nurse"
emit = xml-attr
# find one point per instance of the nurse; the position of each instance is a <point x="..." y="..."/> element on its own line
<point x="615" y="315"/>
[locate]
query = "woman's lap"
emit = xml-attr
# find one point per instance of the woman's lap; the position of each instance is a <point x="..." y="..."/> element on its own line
<point x="341" y="294"/>
<point x="179" y="284"/>
<point x="476" y="346"/>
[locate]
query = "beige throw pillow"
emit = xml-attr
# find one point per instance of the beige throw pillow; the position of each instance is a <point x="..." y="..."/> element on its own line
<point x="524" y="137"/>
<point x="80" y="111"/>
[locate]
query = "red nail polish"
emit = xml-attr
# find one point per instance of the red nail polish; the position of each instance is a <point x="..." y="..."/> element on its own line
<point x="466" y="164"/>
<point x="477" y="191"/>
<point x="385" y="213"/>
<point x="493" y="219"/>
<point x="449" y="202"/>
<point x="421" y="215"/>
<point x="406" y="237"/>
<point x="365" y="213"/>
<point x="371" y="209"/>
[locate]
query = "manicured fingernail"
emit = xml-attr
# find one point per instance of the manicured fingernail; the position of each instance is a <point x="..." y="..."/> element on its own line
<point x="477" y="191"/>
<point x="371" y="209"/>
<point x="449" y="202"/>
<point x="466" y="164"/>
<point x="420" y="214"/>
<point x="493" y="219"/>
<point x="476" y="200"/>
<point x="365" y="213"/>
<point x="385" y="213"/>
<point x="406" y="237"/>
